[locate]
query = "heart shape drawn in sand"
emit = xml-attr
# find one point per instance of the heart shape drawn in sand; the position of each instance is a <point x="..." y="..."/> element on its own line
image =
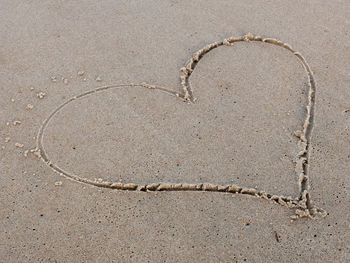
<point x="302" y="203"/>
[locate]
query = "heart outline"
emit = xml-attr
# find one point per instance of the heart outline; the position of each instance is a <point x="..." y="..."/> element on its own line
<point x="302" y="204"/>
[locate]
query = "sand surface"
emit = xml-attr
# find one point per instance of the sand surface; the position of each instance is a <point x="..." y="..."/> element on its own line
<point x="258" y="137"/>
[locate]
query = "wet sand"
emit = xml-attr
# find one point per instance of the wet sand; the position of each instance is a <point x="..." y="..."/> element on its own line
<point x="162" y="131"/>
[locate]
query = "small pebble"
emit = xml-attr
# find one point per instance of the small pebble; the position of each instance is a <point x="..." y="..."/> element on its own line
<point x="31" y="88"/>
<point x="7" y="139"/>
<point x="19" y="145"/>
<point x="65" y="81"/>
<point x="29" y="107"/>
<point x="81" y="73"/>
<point x="98" y="79"/>
<point x="59" y="183"/>
<point x="53" y="79"/>
<point x="15" y="123"/>
<point x="12" y="100"/>
<point x="41" y="95"/>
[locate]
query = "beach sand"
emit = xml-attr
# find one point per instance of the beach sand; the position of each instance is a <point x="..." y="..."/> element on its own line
<point x="117" y="147"/>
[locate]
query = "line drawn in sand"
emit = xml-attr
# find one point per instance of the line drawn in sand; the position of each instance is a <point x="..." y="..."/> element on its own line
<point x="302" y="203"/>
